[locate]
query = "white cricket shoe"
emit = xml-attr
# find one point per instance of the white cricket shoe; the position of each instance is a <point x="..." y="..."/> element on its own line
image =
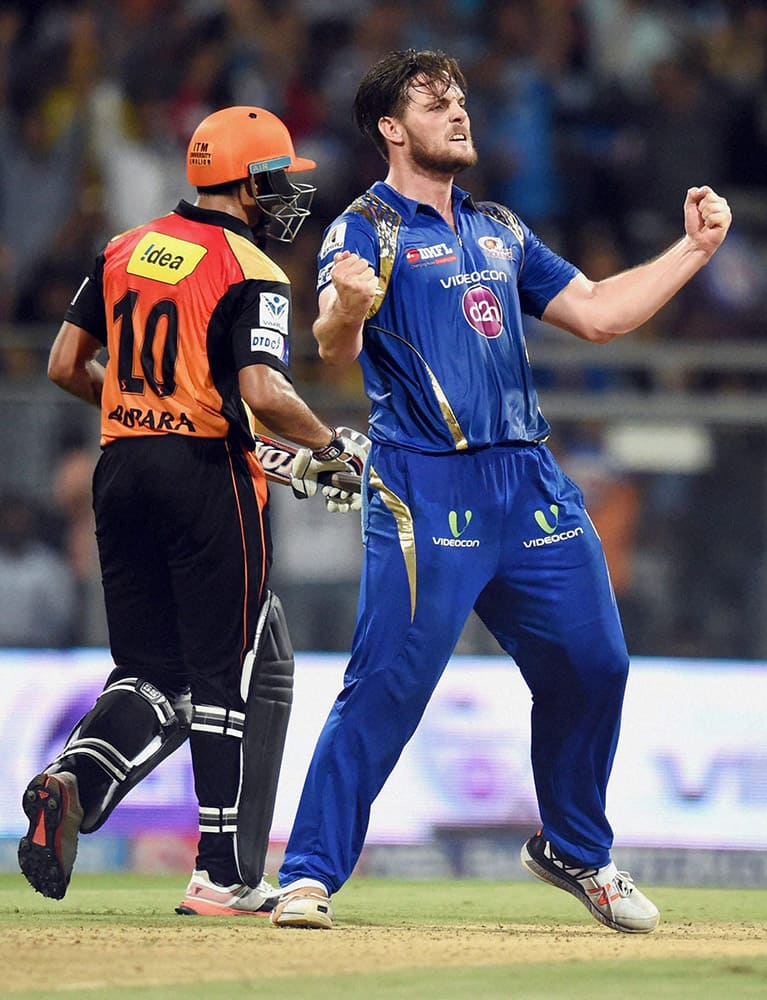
<point x="206" y="898"/>
<point x="303" y="904"/>
<point x="608" y="894"/>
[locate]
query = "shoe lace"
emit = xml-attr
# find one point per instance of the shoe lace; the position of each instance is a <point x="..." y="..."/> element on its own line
<point x="266" y="887"/>
<point x="624" y="883"/>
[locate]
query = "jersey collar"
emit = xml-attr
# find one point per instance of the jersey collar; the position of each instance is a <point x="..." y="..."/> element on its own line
<point x="408" y="208"/>
<point x="212" y="218"/>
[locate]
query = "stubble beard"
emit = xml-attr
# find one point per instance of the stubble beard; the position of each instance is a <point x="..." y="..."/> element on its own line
<point x="446" y="164"/>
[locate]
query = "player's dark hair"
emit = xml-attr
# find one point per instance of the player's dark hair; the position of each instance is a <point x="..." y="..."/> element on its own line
<point x="383" y="91"/>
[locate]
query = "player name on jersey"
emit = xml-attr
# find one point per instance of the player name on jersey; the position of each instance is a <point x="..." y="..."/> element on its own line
<point x="153" y="420"/>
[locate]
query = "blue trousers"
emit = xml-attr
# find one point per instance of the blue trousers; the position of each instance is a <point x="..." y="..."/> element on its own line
<point x="505" y="532"/>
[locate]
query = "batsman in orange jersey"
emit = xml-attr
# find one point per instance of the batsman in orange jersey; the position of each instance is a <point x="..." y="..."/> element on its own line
<point x="196" y="322"/>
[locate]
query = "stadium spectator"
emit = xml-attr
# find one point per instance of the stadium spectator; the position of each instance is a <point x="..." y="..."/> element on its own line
<point x="71" y="498"/>
<point x="681" y="121"/>
<point x="42" y="155"/>
<point x="520" y="96"/>
<point x="594" y="69"/>
<point x="37" y="590"/>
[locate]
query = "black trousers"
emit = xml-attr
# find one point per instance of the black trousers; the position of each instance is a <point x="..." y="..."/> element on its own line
<point x="185" y="552"/>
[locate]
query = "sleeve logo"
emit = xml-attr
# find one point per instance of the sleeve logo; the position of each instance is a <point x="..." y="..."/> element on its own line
<point x="268" y="342"/>
<point x="324" y="274"/>
<point x="334" y="240"/>
<point x="274" y="310"/>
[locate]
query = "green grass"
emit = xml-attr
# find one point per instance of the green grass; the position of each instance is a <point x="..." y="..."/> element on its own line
<point x="509" y="912"/>
<point x="138" y="899"/>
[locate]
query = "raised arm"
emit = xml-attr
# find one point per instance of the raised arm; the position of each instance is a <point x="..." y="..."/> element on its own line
<point x="343" y="305"/>
<point x="602" y="310"/>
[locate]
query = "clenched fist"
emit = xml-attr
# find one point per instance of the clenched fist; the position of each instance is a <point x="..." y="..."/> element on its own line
<point x="355" y="284"/>
<point x="707" y="218"/>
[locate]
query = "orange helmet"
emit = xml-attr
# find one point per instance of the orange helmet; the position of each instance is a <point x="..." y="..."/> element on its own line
<point x="238" y="142"/>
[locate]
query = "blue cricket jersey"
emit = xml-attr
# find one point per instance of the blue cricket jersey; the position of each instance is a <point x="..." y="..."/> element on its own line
<point x="454" y="522"/>
<point x="444" y="358"/>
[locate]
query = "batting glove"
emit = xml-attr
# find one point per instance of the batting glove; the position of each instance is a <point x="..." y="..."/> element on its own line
<point x="339" y="501"/>
<point x="311" y="469"/>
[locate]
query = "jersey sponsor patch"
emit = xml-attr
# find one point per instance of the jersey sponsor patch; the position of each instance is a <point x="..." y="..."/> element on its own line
<point x="334" y="240"/>
<point x="440" y="253"/>
<point x="269" y="342"/>
<point x="473" y="277"/>
<point x="164" y="258"/>
<point x="274" y="311"/>
<point x="482" y="311"/>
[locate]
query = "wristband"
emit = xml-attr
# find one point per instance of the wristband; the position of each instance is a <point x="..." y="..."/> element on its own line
<point x="331" y="451"/>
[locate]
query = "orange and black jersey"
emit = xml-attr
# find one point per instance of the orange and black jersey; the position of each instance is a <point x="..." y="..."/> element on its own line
<point x="182" y="303"/>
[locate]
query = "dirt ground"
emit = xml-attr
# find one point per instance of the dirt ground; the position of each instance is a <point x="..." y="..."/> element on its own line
<point x="107" y="956"/>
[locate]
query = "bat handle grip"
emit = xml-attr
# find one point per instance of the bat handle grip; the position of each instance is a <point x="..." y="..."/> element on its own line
<point x="346" y="481"/>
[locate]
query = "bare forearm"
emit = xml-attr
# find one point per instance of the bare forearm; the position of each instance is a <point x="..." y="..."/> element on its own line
<point x="295" y="421"/>
<point x="275" y="404"/>
<point x="601" y="310"/>
<point x="86" y="383"/>
<point x="338" y="335"/>
<point x="627" y="300"/>
<point x="72" y="363"/>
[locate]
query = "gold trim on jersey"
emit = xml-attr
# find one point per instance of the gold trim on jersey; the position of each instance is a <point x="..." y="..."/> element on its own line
<point x="254" y="262"/>
<point x="506" y="218"/>
<point x="459" y="438"/>
<point x="386" y="223"/>
<point x="164" y="258"/>
<point x="405" y="531"/>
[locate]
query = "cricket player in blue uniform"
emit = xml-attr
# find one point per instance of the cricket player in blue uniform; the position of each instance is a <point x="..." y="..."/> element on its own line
<point x="465" y="507"/>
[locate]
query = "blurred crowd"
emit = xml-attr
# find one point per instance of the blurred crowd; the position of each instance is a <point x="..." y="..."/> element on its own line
<point x="591" y="117"/>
